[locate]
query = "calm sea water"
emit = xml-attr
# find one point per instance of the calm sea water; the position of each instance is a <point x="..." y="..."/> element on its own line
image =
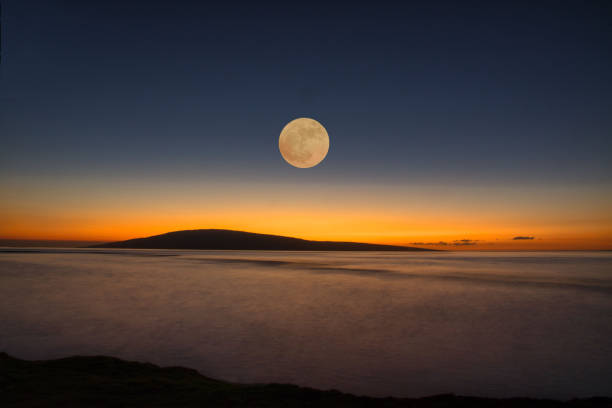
<point x="403" y="324"/>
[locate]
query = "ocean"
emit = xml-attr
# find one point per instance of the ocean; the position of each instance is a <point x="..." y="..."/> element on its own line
<point x="495" y="324"/>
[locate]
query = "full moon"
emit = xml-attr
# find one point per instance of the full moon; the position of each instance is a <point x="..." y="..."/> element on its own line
<point x="303" y="142"/>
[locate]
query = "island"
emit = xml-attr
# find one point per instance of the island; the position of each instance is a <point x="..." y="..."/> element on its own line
<point x="220" y="239"/>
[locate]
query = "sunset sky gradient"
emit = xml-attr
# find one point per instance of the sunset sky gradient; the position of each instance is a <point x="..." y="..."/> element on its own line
<point x="461" y="123"/>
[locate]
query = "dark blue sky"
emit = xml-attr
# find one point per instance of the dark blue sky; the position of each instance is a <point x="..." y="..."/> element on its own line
<point x="436" y="91"/>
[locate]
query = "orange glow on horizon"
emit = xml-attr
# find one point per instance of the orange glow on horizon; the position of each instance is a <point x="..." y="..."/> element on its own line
<point x="487" y="218"/>
<point x="423" y="232"/>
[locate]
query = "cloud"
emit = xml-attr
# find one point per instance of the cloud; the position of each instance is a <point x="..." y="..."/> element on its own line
<point x="457" y="242"/>
<point x="522" y="237"/>
<point x="430" y="243"/>
<point x="460" y="242"/>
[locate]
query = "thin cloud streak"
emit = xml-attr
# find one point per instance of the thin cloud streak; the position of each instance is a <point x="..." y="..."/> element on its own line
<point x="457" y="242"/>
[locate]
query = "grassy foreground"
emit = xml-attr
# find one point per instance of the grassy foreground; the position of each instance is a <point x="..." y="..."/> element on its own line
<point x="109" y="382"/>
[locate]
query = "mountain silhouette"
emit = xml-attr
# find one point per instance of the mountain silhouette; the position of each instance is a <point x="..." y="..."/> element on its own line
<point x="240" y="240"/>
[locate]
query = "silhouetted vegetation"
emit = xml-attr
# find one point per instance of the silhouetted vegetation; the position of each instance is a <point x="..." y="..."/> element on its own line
<point x="109" y="382"/>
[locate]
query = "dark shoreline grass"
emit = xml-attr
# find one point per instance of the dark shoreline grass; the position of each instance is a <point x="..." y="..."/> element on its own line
<point x="100" y="381"/>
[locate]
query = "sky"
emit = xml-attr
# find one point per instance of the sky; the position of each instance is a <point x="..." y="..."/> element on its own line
<point x="454" y="125"/>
